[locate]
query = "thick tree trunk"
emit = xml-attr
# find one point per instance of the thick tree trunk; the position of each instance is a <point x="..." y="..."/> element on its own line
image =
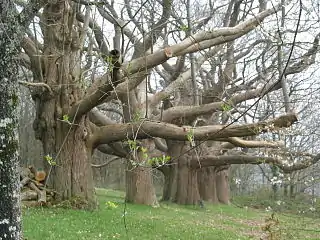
<point x="185" y="183"/>
<point x="207" y="184"/>
<point x="10" y="36"/>
<point x="222" y="183"/>
<point x="170" y="183"/>
<point x="63" y="139"/>
<point x="139" y="181"/>
<point x="139" y="186"/>
<point x="72" y="177"/>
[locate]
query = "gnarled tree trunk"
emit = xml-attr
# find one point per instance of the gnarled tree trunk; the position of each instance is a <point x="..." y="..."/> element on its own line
<point x="207" y="184"/>
<point x="222" y="184"/>
<point x="170" y="183"/>
<point x="187" y="185"/>
<point x="139" y="186"/>
<point x="184" y="179"/>
<point x="63" y="139"/>
<point x="73" y="175"/>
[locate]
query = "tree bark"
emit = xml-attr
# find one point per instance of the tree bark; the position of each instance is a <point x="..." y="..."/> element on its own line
<point x="64" y="140"/>
<point x="72" y="177"/>
<point x="207" y="184"/>
<point x="170" y="183"/>
<point x="10" y="36"/>
<point x="139" y="186"/>
<point x="187" y="187"/>
<point x="222" y="183"/>
<point x="184" y="178"/>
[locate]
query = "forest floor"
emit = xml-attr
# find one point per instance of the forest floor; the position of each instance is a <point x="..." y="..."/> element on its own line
<point x="115" y="220"/>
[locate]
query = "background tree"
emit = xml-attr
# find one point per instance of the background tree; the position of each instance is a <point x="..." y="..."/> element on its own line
<point x="183" y="85"/>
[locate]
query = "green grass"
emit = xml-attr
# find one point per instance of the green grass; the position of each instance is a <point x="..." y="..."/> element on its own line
<point x="301" y="204"/>
<point x="169" y="221"/>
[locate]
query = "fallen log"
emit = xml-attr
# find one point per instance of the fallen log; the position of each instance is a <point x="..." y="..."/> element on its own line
<point x="41" y="194"/>
<point x="28" y="195"/>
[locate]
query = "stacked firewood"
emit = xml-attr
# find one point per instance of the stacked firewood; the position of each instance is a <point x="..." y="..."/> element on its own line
<point x="32" y="184"/>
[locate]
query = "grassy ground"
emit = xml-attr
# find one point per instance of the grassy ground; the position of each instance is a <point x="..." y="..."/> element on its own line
<point x="166" y="222"/>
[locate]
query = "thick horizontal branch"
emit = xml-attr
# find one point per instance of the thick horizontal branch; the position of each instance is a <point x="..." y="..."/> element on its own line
<point x="118" y="149"/>
<point x="149" y="129"/>
<point x="238" y="142"/>
<point x="191" y="111"/>
<point x="208" y="161"/>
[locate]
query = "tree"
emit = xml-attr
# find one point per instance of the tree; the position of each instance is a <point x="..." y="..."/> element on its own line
<point x="71" y="103"/>
<point x="11" y="32"/>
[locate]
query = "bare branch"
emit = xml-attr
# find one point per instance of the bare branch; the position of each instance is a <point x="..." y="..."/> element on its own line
<point x="106" y="163"/>
<point x="30" y="10"/>
<point x="98" y="34"/>
<point x="149" y="129"/>
<point x="120" y="23"/>
<point x="209" y="160"/>
<point x="37" y="85"/>
<point x="196" y="42"/>
<point x="157" y="28"/>
<point x="181" y="79"/>
<point x="238" y="142"/>
<point x="191" y="111"/>
<point x="152" y="60"/>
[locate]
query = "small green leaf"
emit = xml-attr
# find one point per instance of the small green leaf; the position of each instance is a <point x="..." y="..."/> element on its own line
<point x="65" y="118"/>
<point x="50" y="160"/>
<point x="226" y="107"/>
<point x="184" y="28"/>
<point x="190" y="135"/>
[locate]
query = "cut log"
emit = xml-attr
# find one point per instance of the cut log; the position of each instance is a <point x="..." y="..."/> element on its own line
<point x="25" y="172"/>
<point x="41" y="194"/>
<point x="40" y="175"/>
<point x="28" y="195"/>
<point x="30" y="203"/>
<point x="24" y="181"/>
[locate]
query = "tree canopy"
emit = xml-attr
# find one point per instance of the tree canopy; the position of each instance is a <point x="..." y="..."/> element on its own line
<point x="219" y="77"/>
